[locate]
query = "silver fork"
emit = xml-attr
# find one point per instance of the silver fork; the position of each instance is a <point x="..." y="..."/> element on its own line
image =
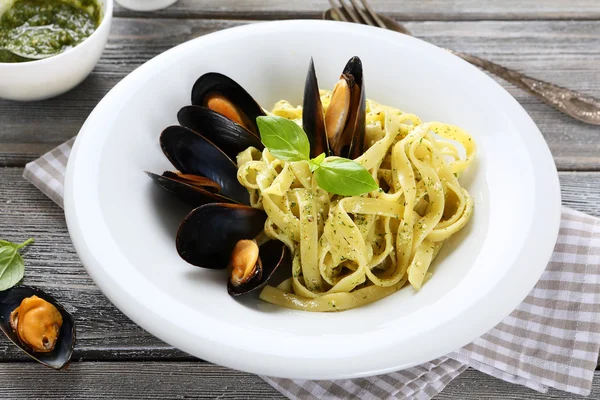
<point x="577" y="105"/>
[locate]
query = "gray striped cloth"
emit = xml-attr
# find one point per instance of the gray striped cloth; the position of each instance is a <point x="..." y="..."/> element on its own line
<point x="551" y="340"/>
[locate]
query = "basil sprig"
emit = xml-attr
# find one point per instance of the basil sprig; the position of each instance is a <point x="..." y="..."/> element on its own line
<point x="284" y="139"/>
<point x="287" y="141"/>
<point x="12" y="267"/>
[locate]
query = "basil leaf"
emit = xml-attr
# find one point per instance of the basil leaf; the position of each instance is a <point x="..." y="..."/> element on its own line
<point x="344" y="177"/>
<point x="284" y="138"/>
<point x="315" y="162"/>
<point x="12" y="266"/>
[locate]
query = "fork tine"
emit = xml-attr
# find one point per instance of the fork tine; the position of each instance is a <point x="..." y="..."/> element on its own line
<point x="373" y="14"/>
<point x="337" y="12"/>
<point x="368" y="20"/>
<point x="349" y="11"/>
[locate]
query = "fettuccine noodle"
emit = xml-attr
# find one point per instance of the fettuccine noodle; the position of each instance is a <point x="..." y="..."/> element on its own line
<point x="351" y="251"/>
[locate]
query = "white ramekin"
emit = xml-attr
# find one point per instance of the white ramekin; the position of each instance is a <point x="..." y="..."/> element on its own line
<point x="42" y="79"/>
<point x="145" y="5"/>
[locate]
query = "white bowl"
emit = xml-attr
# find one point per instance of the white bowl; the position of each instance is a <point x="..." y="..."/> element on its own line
<point x="123" y="226"/>
<point x="42" y="79"/>
<point x="145" y="5"/>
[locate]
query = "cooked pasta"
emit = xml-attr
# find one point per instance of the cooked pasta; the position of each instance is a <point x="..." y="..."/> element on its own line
<point x="351" y="251"/>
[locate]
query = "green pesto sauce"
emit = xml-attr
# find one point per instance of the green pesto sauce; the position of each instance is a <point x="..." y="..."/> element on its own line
<point x="46" y="27"/>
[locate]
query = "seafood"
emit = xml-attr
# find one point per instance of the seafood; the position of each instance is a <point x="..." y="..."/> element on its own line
<point x="219" y="236"/>
<point x="224" y="232"/>
<point x="345" y="117"/>
<point x="225" y="96"/>
<point x="30" y="318"/>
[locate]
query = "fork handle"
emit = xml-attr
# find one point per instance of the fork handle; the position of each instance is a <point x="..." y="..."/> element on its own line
<point x="577" y="105"/>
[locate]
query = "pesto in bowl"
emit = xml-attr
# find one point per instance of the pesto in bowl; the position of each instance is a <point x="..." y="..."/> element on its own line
<point x="35" y="29"/>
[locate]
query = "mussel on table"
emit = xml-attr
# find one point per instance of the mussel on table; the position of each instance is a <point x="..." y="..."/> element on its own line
<point x="219" y="236"/>
<point x="225" y="96"/>
<point x="38" y="324"/>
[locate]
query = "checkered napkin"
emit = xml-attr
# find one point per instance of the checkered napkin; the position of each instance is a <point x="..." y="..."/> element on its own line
<point x="550" y="341"/>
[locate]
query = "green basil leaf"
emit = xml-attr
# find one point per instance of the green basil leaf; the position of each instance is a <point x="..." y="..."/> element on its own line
<point x="344" y="177"/>
<point x="12" y="266"/>
<point x="284" y="138"/>
<point x="315" y="162"/>
<point x="319" y="159"/>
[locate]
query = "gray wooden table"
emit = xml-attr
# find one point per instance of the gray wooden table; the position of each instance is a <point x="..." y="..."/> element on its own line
<point x="555" y="40"/>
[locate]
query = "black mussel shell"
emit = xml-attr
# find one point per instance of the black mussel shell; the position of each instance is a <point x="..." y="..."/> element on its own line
<point x="192" y="195"/>
<point x="191" y="153"/>
<point x="61" y="355"/>
<point x="209" y="233"/>
<point x="227" y="135"/>
<point x="213" y="85"/>
<point x="359" y="115"/>
<point x="273" y="254"/>
<point x="194" y="180"/>
<point x="313" y="121"/>
<point x="349" y="141"/>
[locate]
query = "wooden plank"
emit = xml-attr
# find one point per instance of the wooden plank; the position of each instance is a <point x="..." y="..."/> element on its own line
<point x="131" y="380"/>
<point x="407" y="9"/>
<point x="18" y="154"/>
<point x="581" y="191"/>
<point x="199" y="380"/>
<point x="566" y="53"/>
<point x="104" y="333"/>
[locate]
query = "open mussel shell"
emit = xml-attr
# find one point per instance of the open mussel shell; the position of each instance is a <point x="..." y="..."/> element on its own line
<point x="61" y="355"/>
<point x="194" y="180"/>
<point x="227" y="135"/>
<point x="313" y="121"/>
<point x="209" y="233"/>
<point x="225" y="96"/>
<point x="191" y="153"/>
<point x="272" y="254"/>
<point x="195" y="196"/>
<point x="345" y="117"/>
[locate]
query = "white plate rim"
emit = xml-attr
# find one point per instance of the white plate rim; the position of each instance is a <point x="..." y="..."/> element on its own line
<point x="480" y="317"/>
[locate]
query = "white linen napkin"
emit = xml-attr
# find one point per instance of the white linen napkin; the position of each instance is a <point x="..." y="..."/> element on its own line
<point x="550" y="341"/>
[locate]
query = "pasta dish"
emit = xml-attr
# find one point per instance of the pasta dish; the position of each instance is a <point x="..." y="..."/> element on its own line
<point x="348" y="251"/>
<point x="326" y="206"/>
